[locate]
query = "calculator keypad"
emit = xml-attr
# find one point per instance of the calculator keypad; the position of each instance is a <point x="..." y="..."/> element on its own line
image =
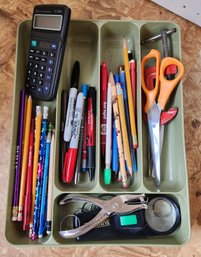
<point x="41" y="67"/>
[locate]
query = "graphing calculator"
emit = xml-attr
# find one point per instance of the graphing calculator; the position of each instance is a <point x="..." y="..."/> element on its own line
<point x="47" y="45"/>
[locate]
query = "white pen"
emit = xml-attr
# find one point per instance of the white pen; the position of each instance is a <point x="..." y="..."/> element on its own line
<point x="71" y="101"/>
<point x="107" y="170"/>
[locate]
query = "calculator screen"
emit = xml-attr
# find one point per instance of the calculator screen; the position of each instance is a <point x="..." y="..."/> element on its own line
<point x="46" y="21"/>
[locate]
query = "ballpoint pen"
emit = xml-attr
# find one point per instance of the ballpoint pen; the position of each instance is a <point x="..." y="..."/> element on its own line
<point x="27" y="200"/>
<point x="19" y="151"/>
<point x="71" y="154"/>
<point x="80" y="146"/>
<point x="37" y="203"/>
<point x="107" y="170"/>
<point x="103" y="105"/>
<point x="84" y="147"/>
<point x="91" y="132"/>
<point x="42" y="225"/>
<point x="71" y="101"/>
<point x="25" y="158"/>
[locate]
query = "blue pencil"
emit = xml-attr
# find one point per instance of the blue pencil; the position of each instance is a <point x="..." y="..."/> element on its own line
<point x="122" y="79"/>
<point x="40" y="175"/>
<point x="42" y="221"/>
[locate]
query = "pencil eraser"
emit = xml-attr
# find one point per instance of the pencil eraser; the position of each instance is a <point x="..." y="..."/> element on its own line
<point x="107" y="176"/>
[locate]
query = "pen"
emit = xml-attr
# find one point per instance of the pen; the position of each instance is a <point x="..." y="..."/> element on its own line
<point x="71" y="101"/>
<point x="18" y="159"/>
<point x="80" y="144"/>
<point x="91" y="132"/>
<point x="27" y="201"/>
<point x="133" y="82"/>
<point x="25" y="158"/>
<point x="118" y="132"/>
<point x="129" y="92"/>
<point x="84" y="147"/>
<point x="124" y="128"/>
<point x="107" y="170"/>
<point x="122" y="80"/>
<point x="63" y="144"/>
<point x="42" y="225"/>
<point x="37" y="203"/>
<point x="50" y="185"/>
<point x="38" y="121"/>
<point x="103" y="105"/>
<point x="115" y="155"/>
<point x="71" y="154"/>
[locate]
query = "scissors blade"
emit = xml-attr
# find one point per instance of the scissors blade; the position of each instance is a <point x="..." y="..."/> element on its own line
<point x="153" y="116"/>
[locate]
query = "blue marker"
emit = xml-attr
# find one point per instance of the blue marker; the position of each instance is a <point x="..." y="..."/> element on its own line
<point x="122" y="80"/>
<point x="42" y="226"/>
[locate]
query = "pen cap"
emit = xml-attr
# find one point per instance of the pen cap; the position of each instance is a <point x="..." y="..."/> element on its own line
<point x="45" y="112"/>
<point x="75" y="75"/>
<point x="92" y="94"/>
<point x="84" y="90"/>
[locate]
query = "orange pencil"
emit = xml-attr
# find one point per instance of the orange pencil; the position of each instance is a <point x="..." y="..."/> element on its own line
<point x="25" y="158"/>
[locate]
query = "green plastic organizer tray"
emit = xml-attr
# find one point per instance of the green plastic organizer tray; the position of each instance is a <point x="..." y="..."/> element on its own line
<point x="92" y="42"/>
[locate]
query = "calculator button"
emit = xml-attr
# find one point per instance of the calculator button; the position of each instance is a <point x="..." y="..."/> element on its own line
<point x="40" y="82"/>
<point x="39" y="89"/>
<point x="48" y="77"/>
<point x="32" y="51"/>
<point x="28" y="78"/>
<point x="37" y="58"/>
<point x="33" y="87"/>
<point x="46" y="89"/>
<point x="31" y="64"/>
<point x="45" y="53"/>
<point x="41" y="75"/>
<point x="49" y="69"/>
<point x="43" y="67"/>
<point x="31" y="57"/>
<point x="43" y="59"/>
<point x="29" y="72"/>
<point x="53" y="46"/>
<point x="34" y="80"/>
<point x="34" y="43"/>
<point x="35" y="73"/>
<point x="52" y="54"/>
<point x="50" y="62"/>
<point x="38" y="52"/>
<point x="36" y="66"/>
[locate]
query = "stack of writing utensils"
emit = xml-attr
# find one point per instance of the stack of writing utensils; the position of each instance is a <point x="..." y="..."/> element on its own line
<point x="32" y="200"/>
<point x="118" y="120"/>
<point x="78" y="130"/>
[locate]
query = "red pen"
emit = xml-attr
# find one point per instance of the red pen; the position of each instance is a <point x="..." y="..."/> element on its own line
<point x="103" y="106"/>
<point x="71" y="154"/>
<point x="27" y="199"/>
<point x="91" y="132"/>
<point x="84" y="148"/>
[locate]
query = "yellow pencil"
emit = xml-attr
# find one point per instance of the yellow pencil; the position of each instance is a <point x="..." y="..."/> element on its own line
<point x="118" y="132"/>
<point x="38" y="122"/>
<point x="124" y="128"/>
<point x="129" y="92"/>
<point x="25" y="158"/>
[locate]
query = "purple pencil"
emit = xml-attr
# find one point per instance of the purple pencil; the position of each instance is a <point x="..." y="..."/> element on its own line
<point x="18" y="159"/>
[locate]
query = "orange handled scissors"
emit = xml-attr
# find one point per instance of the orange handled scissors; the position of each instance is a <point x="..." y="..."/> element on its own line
<point x="156" y="100"/>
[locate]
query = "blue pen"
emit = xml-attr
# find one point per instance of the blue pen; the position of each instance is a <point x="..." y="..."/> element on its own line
<point x="115" y="155"/>
<point x="122" y="80"/>
<point x="42" y="226"/>
<point x="37" y="204"/>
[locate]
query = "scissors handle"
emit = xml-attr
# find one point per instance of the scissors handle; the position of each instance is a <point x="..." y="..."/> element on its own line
<point x="150" y="94"/>
<point x="167" y="86"/>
